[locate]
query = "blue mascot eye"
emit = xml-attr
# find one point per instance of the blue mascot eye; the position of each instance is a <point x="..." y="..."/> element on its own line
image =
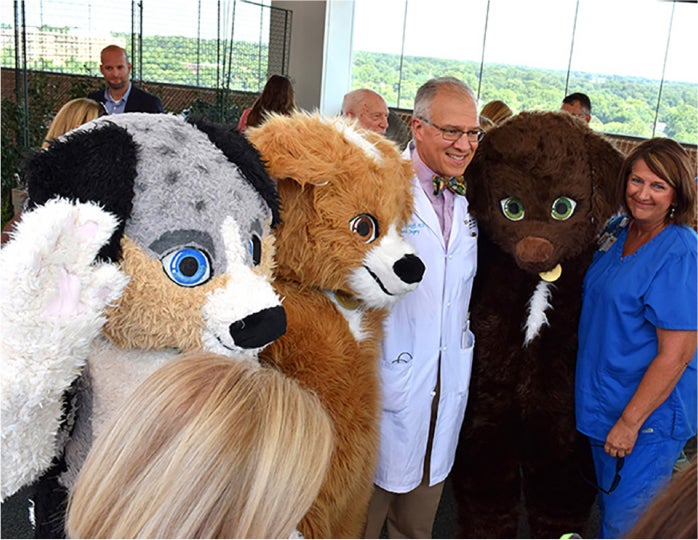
<point x="187" y="266"/>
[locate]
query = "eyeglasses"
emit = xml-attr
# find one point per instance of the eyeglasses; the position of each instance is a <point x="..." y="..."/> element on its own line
<point x="452" y="135"/>
<point x="620" y="461"/>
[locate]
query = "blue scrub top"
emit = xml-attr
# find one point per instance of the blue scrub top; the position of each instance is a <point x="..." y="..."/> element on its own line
<point x="624" y="300"/>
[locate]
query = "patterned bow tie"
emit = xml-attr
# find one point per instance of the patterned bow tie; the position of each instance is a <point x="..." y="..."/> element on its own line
<point x="456" y="184"/>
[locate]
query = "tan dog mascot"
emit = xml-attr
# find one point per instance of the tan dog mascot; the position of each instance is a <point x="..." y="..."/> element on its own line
<point x="341" y="261"/>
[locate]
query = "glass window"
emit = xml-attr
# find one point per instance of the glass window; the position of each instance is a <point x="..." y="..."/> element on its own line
<point x="620" y="73"/>
<point x="525" y="62"/>
<point x="634" y="58"/>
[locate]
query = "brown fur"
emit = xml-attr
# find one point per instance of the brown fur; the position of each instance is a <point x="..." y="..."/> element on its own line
<point x="519" y="430"/>
<point x="324" y="182"/>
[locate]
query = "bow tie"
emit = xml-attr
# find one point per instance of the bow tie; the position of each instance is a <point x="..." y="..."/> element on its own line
<point x="456" y="184"/>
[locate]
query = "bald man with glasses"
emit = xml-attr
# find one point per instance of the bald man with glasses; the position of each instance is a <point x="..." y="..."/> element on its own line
<point x="428" y="346"/>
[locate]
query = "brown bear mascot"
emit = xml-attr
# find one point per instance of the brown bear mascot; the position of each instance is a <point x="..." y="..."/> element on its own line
<point x="540" y="187"/>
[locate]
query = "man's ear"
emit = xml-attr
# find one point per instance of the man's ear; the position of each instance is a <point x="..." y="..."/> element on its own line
<point x="416" y="133"/>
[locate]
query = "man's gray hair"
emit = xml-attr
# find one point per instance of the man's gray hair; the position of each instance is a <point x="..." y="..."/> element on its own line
<point x="425" y="94"/>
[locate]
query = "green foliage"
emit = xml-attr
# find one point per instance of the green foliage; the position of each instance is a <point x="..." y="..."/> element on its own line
<point x="18" y="143"/>
<point x="181" y="60"/>
<point x="11" y="157"/>
<point x="621" y="105"/>
<point x="223" y="110"/>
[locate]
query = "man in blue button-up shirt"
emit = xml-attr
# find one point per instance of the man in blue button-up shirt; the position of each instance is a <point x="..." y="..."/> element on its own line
<point x="121" y="95"/>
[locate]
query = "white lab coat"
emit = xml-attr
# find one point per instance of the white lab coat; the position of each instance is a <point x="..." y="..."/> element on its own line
<point x="431" y="320"/>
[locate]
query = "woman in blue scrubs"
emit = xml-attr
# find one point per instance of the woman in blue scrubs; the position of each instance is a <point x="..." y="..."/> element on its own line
<point x="635" y="385"/>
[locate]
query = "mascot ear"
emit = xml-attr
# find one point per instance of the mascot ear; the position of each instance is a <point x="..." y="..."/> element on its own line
<point x="97" y="165"/>
<point x="605" y="164"/>
<point x="240" y="151"/>
<point x="282" y="140"/>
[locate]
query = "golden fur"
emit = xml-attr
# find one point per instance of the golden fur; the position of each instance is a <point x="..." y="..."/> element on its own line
<point x="325" y="180"/>
<point x="156" y="313"/>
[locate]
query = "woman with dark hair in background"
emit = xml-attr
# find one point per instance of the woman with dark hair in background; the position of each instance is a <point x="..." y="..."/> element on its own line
<point x="276" y="97"/>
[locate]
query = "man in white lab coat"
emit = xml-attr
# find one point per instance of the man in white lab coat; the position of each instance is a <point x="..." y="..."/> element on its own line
<point x="428" y="347"/>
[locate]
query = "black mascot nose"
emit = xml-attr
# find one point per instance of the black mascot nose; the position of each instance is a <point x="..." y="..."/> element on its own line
<point x="259" y="329"/>
<point x="409" y="269"/>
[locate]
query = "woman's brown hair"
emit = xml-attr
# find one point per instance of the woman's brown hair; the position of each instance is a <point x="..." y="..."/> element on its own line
<point x="667" y="159"/>
<point x="276" y="97"/>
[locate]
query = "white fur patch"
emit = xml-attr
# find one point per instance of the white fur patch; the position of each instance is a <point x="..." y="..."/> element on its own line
<point x="376" y="282"/>
<point x="351" y="134"/>
<point x="53" y="301"/>
<point x="538" y="304"/>
<point x="245" y="293"/>
<point x="354" y="318"/>
<point x="115" y="373"/>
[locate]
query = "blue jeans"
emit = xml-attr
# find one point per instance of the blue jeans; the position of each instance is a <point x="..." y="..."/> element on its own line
<point x="646" y="471"/>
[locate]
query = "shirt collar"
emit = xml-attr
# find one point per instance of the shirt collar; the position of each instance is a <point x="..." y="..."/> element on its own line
<point x="112" y="104"/>
<point x="424" y="174"/>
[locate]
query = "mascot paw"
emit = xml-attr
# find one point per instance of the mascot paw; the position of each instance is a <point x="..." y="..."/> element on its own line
<point x="54" y="297"/>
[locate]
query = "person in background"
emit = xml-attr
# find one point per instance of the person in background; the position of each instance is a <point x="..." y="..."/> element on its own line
<point x="72" y="114"/>
<point x="635" y="384"/>
<point x="368" y="107"/>
<point x="578" y="105"/>
<point x="428" y="345"/>
<point x="277" y="97"/>
<point x="207" y="447"/>
<point x="120" y="94"/>
<point x="495" y="112"/>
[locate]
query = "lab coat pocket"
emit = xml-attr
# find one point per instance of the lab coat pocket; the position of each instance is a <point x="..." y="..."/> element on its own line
<point x="467" y="339"/>
<point x="458" y="373"/>
<point x="396" y="375"/>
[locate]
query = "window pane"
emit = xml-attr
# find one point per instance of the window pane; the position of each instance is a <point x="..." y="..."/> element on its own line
<point x="378" y="29"/>
<point x="621" y="73"/>
<point x="526" y="54"/>
<point x="678" y="110"/>
<point x="450" y="34"/>
<point x="615" y="53"/>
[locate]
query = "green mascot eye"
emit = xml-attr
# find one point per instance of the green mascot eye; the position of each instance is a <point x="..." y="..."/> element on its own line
<point x="512" y="208"/>
<point x="563" y="208"/>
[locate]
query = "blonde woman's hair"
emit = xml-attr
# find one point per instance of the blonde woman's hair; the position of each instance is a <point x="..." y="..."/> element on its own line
<point x="207" y="447"/>
<point x="71" y="115"/>
<point x="496" y="111"/>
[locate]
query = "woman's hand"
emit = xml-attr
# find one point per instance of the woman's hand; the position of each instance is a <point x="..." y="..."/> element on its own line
<point x="675" y="350"/>
<point x="621" y="439"/>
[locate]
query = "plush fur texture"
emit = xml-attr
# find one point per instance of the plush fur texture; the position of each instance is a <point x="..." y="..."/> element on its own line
<point x="183" y="212"/>
<point x="345" y="195"/>
<point x="519" y="428"/>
